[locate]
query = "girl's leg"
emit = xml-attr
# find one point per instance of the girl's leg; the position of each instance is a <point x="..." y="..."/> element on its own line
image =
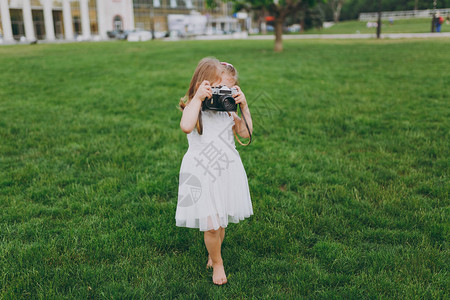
<point x="222" y="234"/>
<point x="209" y="264"/>
<point x="213" y="244"/>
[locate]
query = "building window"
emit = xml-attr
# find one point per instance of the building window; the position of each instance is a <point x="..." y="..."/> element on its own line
<point x="93" y="16"/>
<point x="17" y="25"/>
<point x="117" y="23"/>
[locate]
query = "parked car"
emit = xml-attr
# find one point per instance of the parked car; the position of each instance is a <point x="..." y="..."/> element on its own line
<point x="112" y="34"/>
<point x="294" y="28"/>
<point x="123" y="35"/>
<point x="118" y="34"/>
<point x="160" y="34"/>
<point x="176" y="34"/>
<point x="139" y="36"/>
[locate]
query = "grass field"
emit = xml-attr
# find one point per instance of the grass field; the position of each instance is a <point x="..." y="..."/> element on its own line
<point x="348" y="171"/>
<point x="399" y="26"/>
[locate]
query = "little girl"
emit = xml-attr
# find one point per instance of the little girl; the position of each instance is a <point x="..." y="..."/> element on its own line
<point x="213" y="188"/>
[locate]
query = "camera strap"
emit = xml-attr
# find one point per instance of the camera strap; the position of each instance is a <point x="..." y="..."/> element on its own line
<point x="248" y="129"/>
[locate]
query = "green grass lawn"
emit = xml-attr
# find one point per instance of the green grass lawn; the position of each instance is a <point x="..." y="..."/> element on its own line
<point x="348" y="171"/>
<point x="399" y="26"/>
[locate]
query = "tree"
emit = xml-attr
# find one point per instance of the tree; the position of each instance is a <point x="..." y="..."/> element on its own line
<point x="279" y="9"/>
<point x="259" y="12"/>
<point x="433" y="19"/>
<point x="336" y="6"/>
<point x="379" y="20"/>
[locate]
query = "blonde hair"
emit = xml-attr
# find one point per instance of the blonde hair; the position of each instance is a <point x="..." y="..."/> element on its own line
<point x="209" y="68"/>
<point x="231" y="70"/>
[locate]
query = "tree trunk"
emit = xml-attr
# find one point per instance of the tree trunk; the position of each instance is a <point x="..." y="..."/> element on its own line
<point x="337" y="11"/>
<point x="259" y="24"/>
<point x="152" y="15"/>
<point x="379" y="25"/>
<point x="379" y="20"/>
<point x="278" y="34"/>
<point x="263" y="24"/>
<point x="433" y="21"/>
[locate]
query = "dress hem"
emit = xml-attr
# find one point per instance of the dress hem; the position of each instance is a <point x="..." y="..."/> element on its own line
<point x="231" y="219"/>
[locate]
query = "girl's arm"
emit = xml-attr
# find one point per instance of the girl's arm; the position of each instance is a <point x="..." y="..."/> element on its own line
<point x="240" y="127"/>
<point x="190" y="112"/>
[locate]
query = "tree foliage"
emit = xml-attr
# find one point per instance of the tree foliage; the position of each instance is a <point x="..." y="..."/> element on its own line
<point x="278" y="9"/>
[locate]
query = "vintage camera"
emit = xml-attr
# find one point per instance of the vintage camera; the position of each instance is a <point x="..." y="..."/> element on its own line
<point x="221" y="100"/>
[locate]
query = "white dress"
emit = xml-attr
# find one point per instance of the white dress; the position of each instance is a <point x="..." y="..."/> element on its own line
<point x="213" y="188"/>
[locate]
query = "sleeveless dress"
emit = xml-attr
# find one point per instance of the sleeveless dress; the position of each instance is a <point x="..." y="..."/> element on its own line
<point x="213" y="188"/>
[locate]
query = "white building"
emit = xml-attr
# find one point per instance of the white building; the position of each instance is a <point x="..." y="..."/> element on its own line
<point x="84" y="19"/>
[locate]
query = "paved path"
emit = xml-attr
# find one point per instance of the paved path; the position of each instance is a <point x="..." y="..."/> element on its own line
<point x="369" y="36"/>
<point x="287" y="37"/>
<point x="330" y="36"/>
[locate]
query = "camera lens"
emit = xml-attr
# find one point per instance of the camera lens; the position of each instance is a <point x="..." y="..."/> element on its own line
<point x="229" y="103"/>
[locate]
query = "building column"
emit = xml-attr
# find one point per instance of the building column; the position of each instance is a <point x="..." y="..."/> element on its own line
<point x="28" y="20"/>
<point x="101" y="19"/>
<point x="6" y="21"/>
<point x="227" y="24"/>
<point x="48" y="20"/>
<point x="130" y="18"/>
<point x="67" y="16"/>
<point x="85" y="22"/>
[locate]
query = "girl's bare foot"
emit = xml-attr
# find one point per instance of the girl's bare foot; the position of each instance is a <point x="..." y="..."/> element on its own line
<point x="209" y="264"/>
<point x="219" y="276"/>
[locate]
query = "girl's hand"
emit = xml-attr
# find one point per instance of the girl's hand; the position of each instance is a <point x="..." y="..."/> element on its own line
<point x="204" y="91"/>
<point x="240" y="97"/>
